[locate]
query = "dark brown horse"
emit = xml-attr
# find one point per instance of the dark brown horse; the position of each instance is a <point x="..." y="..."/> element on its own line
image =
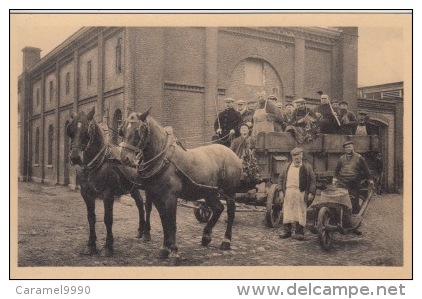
<point x="100" y="173"/>
<point x="169" y="172"/>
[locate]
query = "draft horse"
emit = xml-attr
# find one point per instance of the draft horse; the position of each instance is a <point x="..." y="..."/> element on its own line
<point x="100" y="174"/>
<point x="169" y="172"/>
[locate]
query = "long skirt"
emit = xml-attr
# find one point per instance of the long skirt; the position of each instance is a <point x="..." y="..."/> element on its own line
<point x="294" y="209"/>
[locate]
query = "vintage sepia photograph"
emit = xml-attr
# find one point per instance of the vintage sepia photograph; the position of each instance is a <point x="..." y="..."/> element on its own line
<point x="211" y="146"/>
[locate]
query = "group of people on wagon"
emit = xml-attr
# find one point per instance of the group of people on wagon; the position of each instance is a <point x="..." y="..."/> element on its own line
<point x="266" y="114"/>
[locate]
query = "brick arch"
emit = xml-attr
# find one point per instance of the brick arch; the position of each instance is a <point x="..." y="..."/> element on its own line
<point x="235" y="62"/>
<point x="241" y="85"/>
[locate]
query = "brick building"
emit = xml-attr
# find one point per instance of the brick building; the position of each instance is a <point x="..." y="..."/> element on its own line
<point x="384" y="105"/>
<point x="183" y="73"/>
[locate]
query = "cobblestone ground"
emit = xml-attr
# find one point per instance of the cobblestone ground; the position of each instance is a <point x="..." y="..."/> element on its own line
<point x="53" y="231"/>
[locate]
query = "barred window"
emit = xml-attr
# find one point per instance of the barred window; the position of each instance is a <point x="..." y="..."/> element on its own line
<point x="51" y="91"/>
<point x="38" y="97"/>
<point x="37" y="146"/>
<point x="119" y="56"/>
<point x="67" y="82"/>
<point x="50" y="145"/>
<point x="89" y="72"/>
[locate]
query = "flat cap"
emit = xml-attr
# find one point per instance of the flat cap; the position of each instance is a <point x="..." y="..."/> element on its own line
<point x="347" y="143"/>
<point x="335" y="101"/>
<point x="299" y="101"/>
<point x="251" y="101"/>
<point x="272" y="97"/>
<point x="239" y="102"/>
<point x="362" y="113"/>
<point x="288" y="104"/>
<point x="296" y="151"/>
<point x="228" y="100"/>
<point x="344" y="103"/>
<point x="244" y="124"/>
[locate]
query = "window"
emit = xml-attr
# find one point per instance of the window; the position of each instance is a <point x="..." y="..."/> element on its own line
<point x="119" y="56"/>
<point x="67" y="82"/>
<point x="50" y="145"/>
<point x="38" y="97"/>
<point x="37" y="146"/>
<point x="254" y="72"/>
<point x="51" y="91"/>
<point x="89" y="72"/>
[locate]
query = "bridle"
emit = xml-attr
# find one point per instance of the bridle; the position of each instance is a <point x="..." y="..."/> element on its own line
<point x="148" y="169"/>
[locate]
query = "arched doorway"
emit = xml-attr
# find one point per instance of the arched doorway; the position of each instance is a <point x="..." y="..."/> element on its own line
<point x="380" y="129"/>
<point x="117" y="121"/>
<point x="251" y="76"/>
<point x="66" y="150"/>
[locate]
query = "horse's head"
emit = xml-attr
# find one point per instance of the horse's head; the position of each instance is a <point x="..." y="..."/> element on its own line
<point x="81" y="131"/>
<point x="135" y="132"/>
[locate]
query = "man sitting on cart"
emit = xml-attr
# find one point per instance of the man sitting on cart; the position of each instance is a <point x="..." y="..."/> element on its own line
<point x="297" y="185"/>
<point x="350" y="171"/>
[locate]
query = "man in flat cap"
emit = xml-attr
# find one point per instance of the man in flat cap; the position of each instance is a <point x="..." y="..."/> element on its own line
<point x="350" y="171"/>
<point x="326" y="117"/>
<point x="297" y="185"/>
<point x="361" y="128"/>
<point x="240" y="144"/>
<point x="252" y="105"/>
<point x="276" y="116"/>
<point x="227" y="123"/>
<point x="347" y="119"/>
<point x="303" y="122"/>
<point x="245" y="112"/>
<point x="336" y="105"/>
<point x="288" y="116"/>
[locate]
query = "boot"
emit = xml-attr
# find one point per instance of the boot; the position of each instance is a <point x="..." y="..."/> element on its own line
<point x="299" y="232"/>
<point x="287" y="231"/>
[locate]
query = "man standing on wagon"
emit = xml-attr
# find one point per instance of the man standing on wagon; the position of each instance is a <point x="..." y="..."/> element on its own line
<point x="297" y="185"/>
<point x="227" y="123"/>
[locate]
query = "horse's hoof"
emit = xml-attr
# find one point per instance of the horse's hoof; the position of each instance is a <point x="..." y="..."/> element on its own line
<point x="90" y="250"/>
<point x="163" y="254"/>
<point x="146" y="238"/>
<point x="108" y="252"/>
<point x="206" y="240"/>
<point x="174" y="261"/>
<point x="225" y="245"/>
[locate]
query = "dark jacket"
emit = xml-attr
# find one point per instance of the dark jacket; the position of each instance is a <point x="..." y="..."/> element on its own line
<point x="299" y="114"/>
<point x="229" y="119"/>
<point x="348" y="127"/>
<point x="352" y="169"/>
<point x="307" y="179"/>
<point x="239" y="145"/>
<point x="327" y="123"/>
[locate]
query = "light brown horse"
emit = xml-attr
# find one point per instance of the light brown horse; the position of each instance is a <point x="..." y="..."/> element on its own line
<point x="170" y="172"/>
<point x="100" y="174"/>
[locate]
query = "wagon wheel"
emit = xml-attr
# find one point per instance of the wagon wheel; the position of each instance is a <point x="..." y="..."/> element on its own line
<point x="274" y="206"/>
<point x="202" y="212"/>
<point x="325" y="236"/>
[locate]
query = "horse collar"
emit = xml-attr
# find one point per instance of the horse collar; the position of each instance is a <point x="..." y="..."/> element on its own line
<point x="158" y="163"/>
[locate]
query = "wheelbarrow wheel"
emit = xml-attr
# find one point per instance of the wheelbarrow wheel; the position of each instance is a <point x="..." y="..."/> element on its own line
<point x="202" y="213"/>
<point x="325" y="236"/>
<point x="274" y="207"/>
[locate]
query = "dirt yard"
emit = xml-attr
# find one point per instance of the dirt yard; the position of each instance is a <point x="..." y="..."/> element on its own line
<point x="53" y="231"/>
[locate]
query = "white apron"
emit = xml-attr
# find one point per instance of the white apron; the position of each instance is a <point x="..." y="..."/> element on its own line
<point x="261" y="122"/>
<point x="294" y="208"/>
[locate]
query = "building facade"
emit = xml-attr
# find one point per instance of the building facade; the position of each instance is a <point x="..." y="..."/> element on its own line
<point x="383" y="104"/>
<point x="183" y="73"/>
